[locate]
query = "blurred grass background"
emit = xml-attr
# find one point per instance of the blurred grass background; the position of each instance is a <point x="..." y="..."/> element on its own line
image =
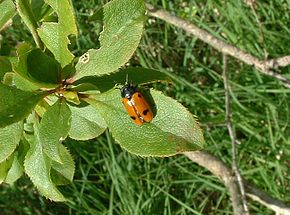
<point x="109" y="180"/>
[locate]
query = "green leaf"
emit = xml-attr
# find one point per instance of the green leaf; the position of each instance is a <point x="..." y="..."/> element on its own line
<point x="72" y="97"/>
<point x="123" y="27"/>
<point x="17" y="169"/>
<point x="25" y="11"/>
<point x="24" y="84"/>
<point x="8" y="78"/>
<point x="5" y="66"/>
<point x="54" y="128"/>
<point x="173" y="129"/>
<point x="68" y="71"/>
<point x="7" y="9"/>
<point x="98" y="15"/>
<point x="9" y="139"/>
<point x="4" y="168"/>
<point x="21" y="66"/>
<point x="13" y="60"/>
<point x="135" y="76"/>
<point x="37" y="166"/>
<point x="87" y="123"/>
<point x="26" y="71"/>
<point x="55" y="34"/>
<point x="16" y="104"/>
<point x="40" y="9"/>
<point x="43" y="68"/>
<point x="62" y="174"/>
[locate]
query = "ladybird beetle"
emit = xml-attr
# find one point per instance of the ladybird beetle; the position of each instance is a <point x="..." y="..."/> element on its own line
<point x="135" y="104"/>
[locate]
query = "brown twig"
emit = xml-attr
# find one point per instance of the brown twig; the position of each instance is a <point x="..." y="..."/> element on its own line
<point x="265" y="199"/>
<point x="264" y="66"/>
<point x="218" y="168"/>
<point x="232" y="134"/>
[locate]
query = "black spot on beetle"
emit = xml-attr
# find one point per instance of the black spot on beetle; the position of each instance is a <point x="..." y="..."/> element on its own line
<point x="145" y="112"/>
<point x="139" y="95"/>
<point x="133" y="117"/>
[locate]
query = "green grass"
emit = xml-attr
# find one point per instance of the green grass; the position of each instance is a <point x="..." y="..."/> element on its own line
<point x="109" y="180"/>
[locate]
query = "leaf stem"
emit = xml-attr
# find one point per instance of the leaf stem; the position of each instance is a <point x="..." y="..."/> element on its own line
<point x="25" y="11"/>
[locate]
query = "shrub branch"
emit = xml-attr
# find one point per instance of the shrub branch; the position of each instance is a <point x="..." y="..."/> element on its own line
<point x="224" y="173"/>
<point x="241" y="194"/>
<point x="266" y="67"/>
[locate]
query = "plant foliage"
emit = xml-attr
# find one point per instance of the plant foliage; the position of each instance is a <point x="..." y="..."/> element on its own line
<point x="45" y="99"/>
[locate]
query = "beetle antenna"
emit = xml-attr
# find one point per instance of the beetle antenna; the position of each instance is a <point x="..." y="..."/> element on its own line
<point x="127" y="79"/>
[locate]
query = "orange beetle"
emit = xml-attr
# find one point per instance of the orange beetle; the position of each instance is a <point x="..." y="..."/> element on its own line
<point x="135" y="104"/>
